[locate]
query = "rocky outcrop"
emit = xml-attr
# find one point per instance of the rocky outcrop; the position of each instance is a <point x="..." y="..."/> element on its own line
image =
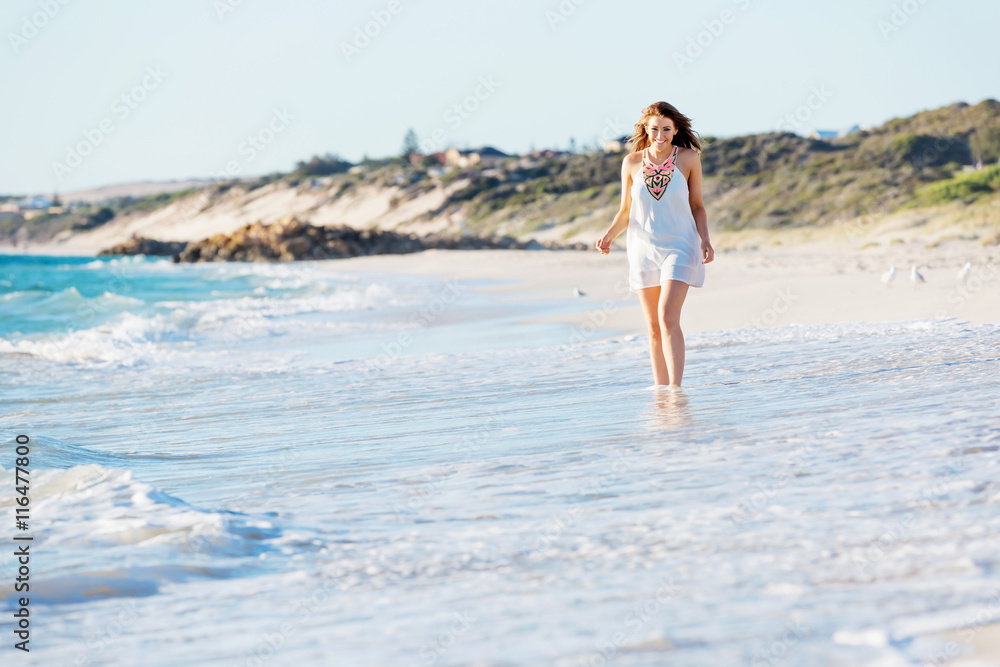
<point x="138" y="245"/>
<point x="291" y="239"/>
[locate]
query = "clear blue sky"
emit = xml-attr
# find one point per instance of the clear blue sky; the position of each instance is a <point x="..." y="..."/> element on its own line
<point x="224" y="75"/>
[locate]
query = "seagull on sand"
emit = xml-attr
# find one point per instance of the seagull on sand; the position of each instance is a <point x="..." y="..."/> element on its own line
<point x="888" y="276"/>
<point x="577" y="292"/>
<point x="916" y="276"/>
<point x="963" y="273"/>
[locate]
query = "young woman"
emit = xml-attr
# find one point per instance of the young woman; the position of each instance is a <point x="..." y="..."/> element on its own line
<point x="667" y="239"/>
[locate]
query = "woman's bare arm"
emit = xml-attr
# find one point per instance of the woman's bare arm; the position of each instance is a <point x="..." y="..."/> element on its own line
<point x="620" y="222"/>
<point x="698" y="207"/>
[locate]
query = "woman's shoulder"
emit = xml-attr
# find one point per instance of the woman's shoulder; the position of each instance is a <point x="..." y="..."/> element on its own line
<point x="687" y="156"/>
<point x="688" y="153"/>
<point x="632" y="162"/>
<point x="633" y="157"/>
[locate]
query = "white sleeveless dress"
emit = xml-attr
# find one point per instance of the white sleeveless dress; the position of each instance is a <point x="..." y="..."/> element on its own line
<point x="662" y="242"/>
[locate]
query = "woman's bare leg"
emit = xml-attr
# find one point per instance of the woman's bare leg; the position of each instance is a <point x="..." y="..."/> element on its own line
<point x="650" y="298"/>
<point x="671" y="299"/>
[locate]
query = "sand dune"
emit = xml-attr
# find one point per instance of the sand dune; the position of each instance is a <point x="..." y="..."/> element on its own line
<point x="203" y="214"/>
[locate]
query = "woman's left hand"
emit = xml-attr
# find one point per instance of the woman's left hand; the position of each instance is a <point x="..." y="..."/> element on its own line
<point x="707" y="252"/>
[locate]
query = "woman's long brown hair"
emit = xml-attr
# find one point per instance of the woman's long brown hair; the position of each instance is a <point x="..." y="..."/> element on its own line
<point x="685" y="136"/>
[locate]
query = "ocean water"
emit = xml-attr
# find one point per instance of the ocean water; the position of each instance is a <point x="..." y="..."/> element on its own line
<point x="260" y="464"/>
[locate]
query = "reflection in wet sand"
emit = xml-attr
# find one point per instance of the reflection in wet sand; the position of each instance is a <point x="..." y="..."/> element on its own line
<point x="669" y="408"/>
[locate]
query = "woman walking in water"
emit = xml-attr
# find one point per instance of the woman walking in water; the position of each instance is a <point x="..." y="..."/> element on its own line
<point x="667" y="241"/>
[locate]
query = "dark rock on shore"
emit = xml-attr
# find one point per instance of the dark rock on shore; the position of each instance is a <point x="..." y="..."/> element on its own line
<point x="290" y="239"/>
<point x="138" y="245"/>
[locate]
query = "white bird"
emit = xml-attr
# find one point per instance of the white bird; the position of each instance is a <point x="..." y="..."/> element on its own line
<point x="963" y="273"/>
<point x="916" y="276"/>
<point x="577" y="292"/>
<point x="888" y="276"/>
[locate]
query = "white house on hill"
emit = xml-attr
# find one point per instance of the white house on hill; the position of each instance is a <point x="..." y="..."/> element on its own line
<point x="487" y="156"/>
<point x="833" y="134"/>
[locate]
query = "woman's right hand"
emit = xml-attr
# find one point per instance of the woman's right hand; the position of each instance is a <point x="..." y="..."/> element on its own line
<point x="604" y="244"/>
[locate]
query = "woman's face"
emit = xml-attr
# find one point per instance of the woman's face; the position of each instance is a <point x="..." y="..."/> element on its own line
<point x="661" y="131"/>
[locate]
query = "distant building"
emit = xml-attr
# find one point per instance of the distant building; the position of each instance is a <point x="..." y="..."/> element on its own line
<point x="417" y="159"/>
<point x="32" y="207"/>
<point x="487" y="156"/>
<point x="616" y="145"/>
<point x="35" y="203"/>
<point x="546" y="152"/>
<point x="833" y="134"/>
<point x="823" y="134"/>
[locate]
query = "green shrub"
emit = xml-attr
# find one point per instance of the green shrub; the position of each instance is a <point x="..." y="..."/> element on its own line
<point x="964" y="186"/>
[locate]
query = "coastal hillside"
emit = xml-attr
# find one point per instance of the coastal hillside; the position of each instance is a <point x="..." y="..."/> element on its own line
<point x="935" y="174"/>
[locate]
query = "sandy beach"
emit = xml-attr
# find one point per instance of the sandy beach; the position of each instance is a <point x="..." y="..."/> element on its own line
<point x="746" y="285"/>
<point x="767" y="287"/>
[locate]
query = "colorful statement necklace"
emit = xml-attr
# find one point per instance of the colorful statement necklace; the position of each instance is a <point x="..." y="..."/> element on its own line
<point x="657" y="176"/>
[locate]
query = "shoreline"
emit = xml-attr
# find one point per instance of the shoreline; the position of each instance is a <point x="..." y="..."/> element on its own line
<point x="814" y="283"/>
<point x="808" y="283"/>
<point x="974" y="645"/>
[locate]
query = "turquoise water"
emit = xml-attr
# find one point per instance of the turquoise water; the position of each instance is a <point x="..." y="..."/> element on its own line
<point x="242" y="464"/>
